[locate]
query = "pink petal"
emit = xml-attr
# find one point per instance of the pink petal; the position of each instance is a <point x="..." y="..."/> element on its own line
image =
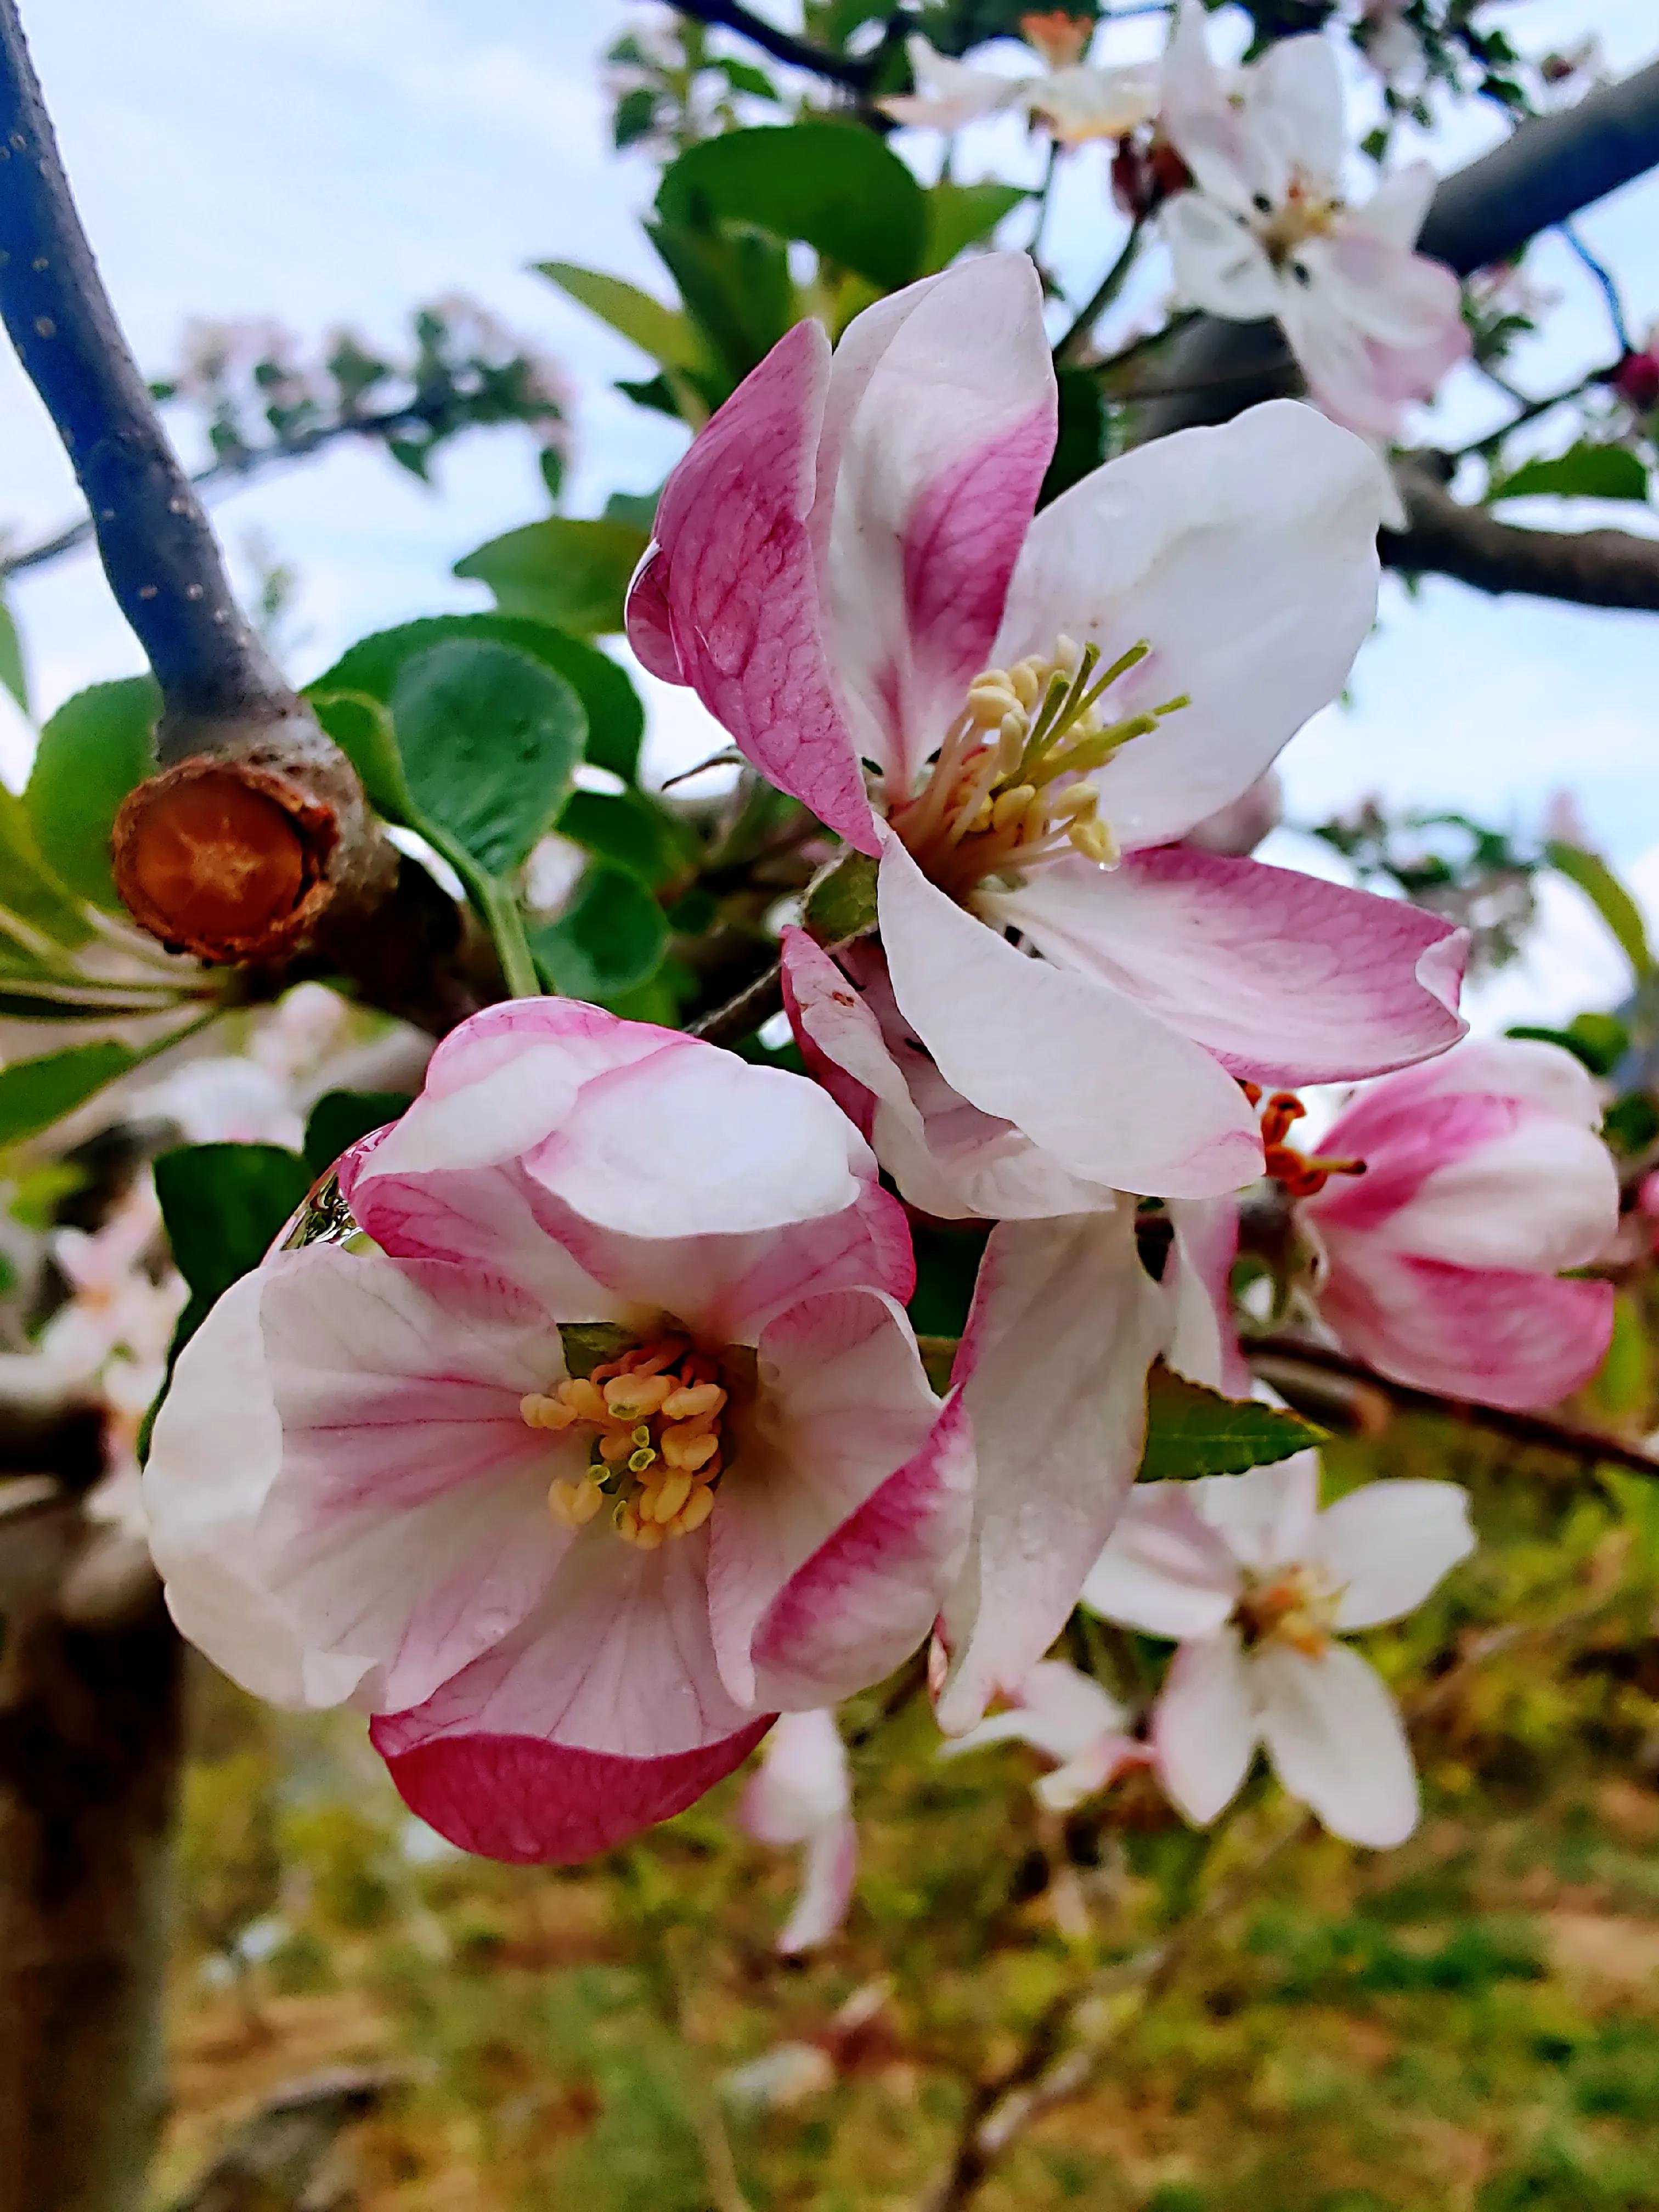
<point x="1164" y="1570"/>
<point x="1204" y="1726"/>
<point x="1499" y="1336"/>
<point x="1051" y="1052"/>
<point x="1335" y="1740"/>
<point x="842" y="1519"/>
<point x="731" y="583"/>
<point x="535" y="1803"/>
<point x="802" y="1783"/>
<point x="1198" y="1279"/>
<point x="1065" y="1323"/>
<point x="1254" y="607"/>
<point x="938" y="427"/>
<point x="1285" y="978"/>
<point x="1521" y="1068"/>
<point x="947" y="1158"/>
<point x="1386" y="1545"/>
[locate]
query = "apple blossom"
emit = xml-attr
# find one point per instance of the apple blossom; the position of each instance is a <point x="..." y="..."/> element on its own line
<point x="612" y="1444"/>
<point x="1267" y="229"/>
<point x="1074" y="102"/>
<point x="1070" y="1719"/>
<point x="847" y="571"/>
<point x="1255" y="1583"/>
<point x="1484" y="1176"/>
<point x="801" y="1792"/>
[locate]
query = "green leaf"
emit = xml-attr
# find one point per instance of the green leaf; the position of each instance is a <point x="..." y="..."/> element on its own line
<point x="34" y="1093"/>
<point x="1608" y="896"/>
<point x="489" y="740"/>
<point x="1583" y="471"/>
<point x="841" y="902"/>
<point x="661" y="332"/>
<point x="572" y="573"/>
<point x="743" y="76"/>
<point x="635" y="117"/>
<point x="12" y="673"/>
<point x="1080" y="443"/>
<point x="93" y="751"/>
<point x="611" y="939"/>
<point x="362" y="727"/>
<point x="959" y="216"/>
<point x="28" y="889"/>
<point x="833" y="186"/>
<point x="1630" y="1124"/>
<point x="1191" y="1431"/>
<point x="340" y="1117"/>
<point x="223" y="1206"/>
<point x="738" y="291"/>
<point x="1600" y="1041"/>
<point x="590" y="1344"/>
<point x="633" y="832"/>
<point x="616" y="719"/>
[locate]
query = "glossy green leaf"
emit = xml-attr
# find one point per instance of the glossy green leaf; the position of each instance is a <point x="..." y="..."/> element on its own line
<point x="490" y="740"/>
<point x="340" y="1117"/>
<point x="738" y="292"/>
<point x="833" y="186"/>
<point x="1583" y="471"/>
<point x="13" y="675"/>
<point x="633" y="832"/>
<point x="960" y="215"/>
<point x="560" y="570"/>
<point x="35" y="1093"/>
<point x="660" y="331"/>
<point x="28" y="889"/>
<point x="1602" y="888"/>
<point x="616" y="719"/>
<point x="611" y="939"/>
<point x="1600" y="1041"/>
<point x="92" y="752"/>
<point x="1192" y="1431"/>
<point x="362" y="727"/>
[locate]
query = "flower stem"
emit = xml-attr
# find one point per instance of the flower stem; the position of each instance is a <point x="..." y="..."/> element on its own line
<point x="1102" y="298"/>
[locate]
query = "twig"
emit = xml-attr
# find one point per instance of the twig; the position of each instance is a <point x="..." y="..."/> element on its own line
<point x="740" y="1017"/>
<point x="1599" y="270"/>
<point x="1530" y="409"/>
<point x="1102" y="298"/>
<point x="856" y="73"/>
<point x="1589" y="568"/>
<point x="1541" y="1430"/>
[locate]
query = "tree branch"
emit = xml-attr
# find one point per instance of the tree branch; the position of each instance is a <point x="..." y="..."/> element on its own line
<point x="855" y="73"/>
<point x="1592" y="568"/>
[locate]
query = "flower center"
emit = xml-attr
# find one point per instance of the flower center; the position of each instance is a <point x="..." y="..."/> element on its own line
<point x="1061" y="38"/>
<point x="1301" y="1173"/>
<point x="1009" y="787"/>
<point x="1304" y="212"/>
<point x="652" y="1420"/>
<point x="1289" y="1605"/>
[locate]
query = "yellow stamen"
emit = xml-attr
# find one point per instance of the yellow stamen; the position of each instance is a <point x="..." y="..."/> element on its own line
<point x="542" y="1413"/>
<point x="691" y="1404"/>
<point x="689" y="1447"/>
<point x="632" y="1397"/>
<point x="695" y="1512"/>
<point x="670" y="1496"/>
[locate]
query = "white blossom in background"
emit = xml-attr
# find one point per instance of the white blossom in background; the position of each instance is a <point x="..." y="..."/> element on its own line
<point x="1256" y="1585"/>
<point x="1070" y="99"/>
<point x="1069" y="1718"/>
<point x="1267" y="230"/>
<point x="801" y="1793"/>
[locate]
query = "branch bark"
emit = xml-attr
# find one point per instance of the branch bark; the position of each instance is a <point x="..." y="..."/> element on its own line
<point x="1591" y="568"/>
<point x="854" y="73"/>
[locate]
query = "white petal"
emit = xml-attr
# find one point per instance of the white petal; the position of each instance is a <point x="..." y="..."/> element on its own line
<point x="1386" y="1545"/>
<point x="1335" y="1739"/>
<point x="1266" y="1515"/>
<point x="1293" y="103"/>
<point x="1396" y="208"/>
<point x="1219" y="263"/>
<point x="1164" y="1568"/>
<point x="1057" y="1709"/>
<point x="1204" y="1726"/>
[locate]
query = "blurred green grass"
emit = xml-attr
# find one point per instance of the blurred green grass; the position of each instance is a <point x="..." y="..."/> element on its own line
<point x="1470" y="2024"/>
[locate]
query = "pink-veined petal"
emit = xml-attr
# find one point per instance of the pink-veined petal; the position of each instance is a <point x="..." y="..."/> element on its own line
<point x="731" y="580"/>
<point x="938" y="425"/>
<point x="1204" y="1726"/>
<point x="1285" y="978"/>
<point x="1334" y="1737"/>
<point x="1386" y="1545"/>
<point x="1105" y="1088"/>
<point x="843" y="1521"/>
<point x="1254" y="607"/>
<point x="1065" y="1323"/>
<point x="1499" y="1336"/>
<point x="1265" y="1517"/>
<point x="1164" y="1570"/>
<point x="1522" y="1068"/>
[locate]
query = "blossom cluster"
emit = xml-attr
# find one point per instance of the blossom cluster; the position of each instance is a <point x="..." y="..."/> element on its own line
<point x="584" y="1432"/>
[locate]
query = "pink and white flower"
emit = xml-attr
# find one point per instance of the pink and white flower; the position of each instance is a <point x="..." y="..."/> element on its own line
<point x="847" y="573"/>
<point x="1074" y="102"/>
<point x="1267" y="230"/>
<point x="801" y="1793"/>
<point x="1069" y="1718"/>
<point x="616" y="1273"/>
<point x="1483" y="1177"/>
<point x="1257" y="1584"/>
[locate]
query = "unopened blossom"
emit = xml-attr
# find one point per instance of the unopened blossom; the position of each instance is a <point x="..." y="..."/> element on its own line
<point x="1267" y="229"/>
<point x="1070" y="1719"/>
<point x="603" y="1442"/>
<point x="1257" y="1585"/>
<point x="1072" y="101"/>
<point x="801" y="1793"/>
<point x="1019" y="716"/>
<point x="1441" y="1263"/>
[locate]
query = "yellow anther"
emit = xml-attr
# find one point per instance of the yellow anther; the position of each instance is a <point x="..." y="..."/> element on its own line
<point x="648" y="1537"/>
<point x="1009" y="804"/>
<point x="692" y="1402"/>
<point x="584" y="1400"/>
<point x="639" y="1460"/>
<point x="574" y="1504"/>
<point x="634" y="1397"/>
<point x="643" y="1434"/>
<point x="1095" y="841"/>
<point x="690" y="1447"/>
<point x="695" y="1512"/>
<point x="614" y="1449"/>
<point x="669" y="1498"/>
<point x="1081" y="802"/>
<point x="542" y="1412"/>
<point x="1026" y="679"/>
<point x="1067" y="652"/>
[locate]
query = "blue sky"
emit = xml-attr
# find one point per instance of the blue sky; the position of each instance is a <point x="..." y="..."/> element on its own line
<point x="327" y="160"/>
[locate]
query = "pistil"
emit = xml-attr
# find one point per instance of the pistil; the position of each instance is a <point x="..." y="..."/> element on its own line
<point x="1292" y="1604"/>
<point x="1302" y="1173"/>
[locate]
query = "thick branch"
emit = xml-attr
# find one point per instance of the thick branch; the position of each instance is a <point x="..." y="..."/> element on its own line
<point x="1592" y="568"/>
<point x="857" y="73"/>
